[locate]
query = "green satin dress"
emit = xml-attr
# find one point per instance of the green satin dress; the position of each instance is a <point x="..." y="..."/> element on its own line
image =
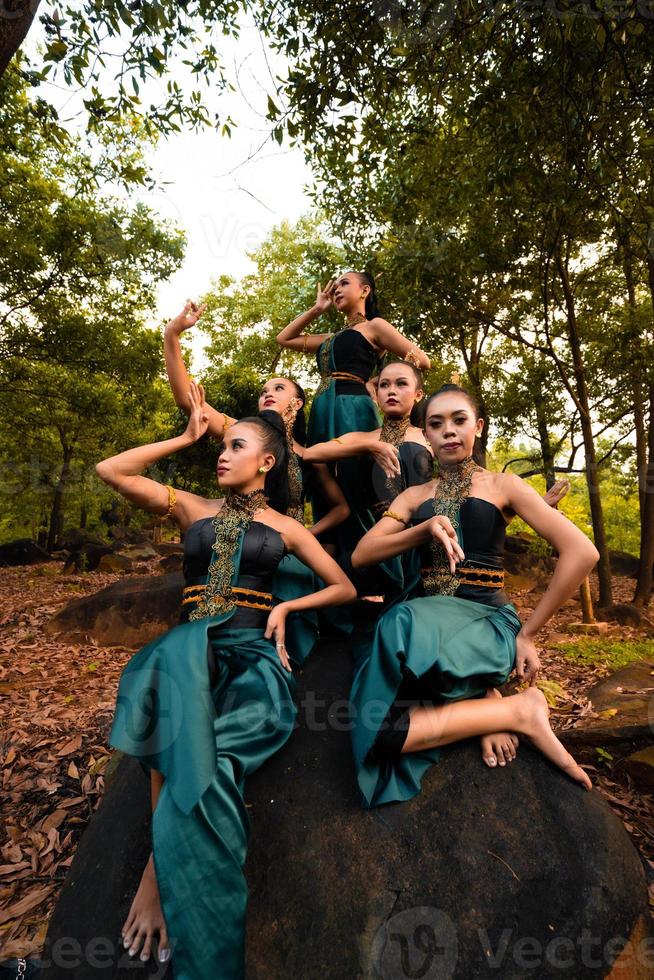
<point x="343" y="405"/>
<point x="206" y="705"/>
<point x="433" y="649"/>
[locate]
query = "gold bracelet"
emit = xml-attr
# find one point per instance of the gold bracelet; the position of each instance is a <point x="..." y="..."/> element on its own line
<point x="396" y="517"/>
<point x="412" y="357"/>
<point x="227" y="421"/>
<point x="304" y="345"/>
<point x="172" y="500"/>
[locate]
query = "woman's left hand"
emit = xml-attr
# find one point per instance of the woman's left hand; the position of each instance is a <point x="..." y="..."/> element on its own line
<point x="276" y="629"/>
<point x="527" y="660"/>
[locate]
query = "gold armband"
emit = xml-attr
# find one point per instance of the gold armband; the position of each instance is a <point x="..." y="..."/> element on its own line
<point x="304" y="345"/>
<point x="172" y="500"/>
<point x="227" y="421"/>
<point x="396" y="517"/>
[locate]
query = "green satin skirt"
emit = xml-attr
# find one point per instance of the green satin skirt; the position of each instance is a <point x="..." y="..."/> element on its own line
<point x="206" y="736"/>
<point x="335" y="415"/>
<point x="471" y="645"/>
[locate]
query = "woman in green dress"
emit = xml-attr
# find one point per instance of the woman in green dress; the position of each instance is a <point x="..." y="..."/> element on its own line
<point x="435" y="662"/>
<point x="207" y="703"/>
<point x="394" y="456"/>
<point x="281" y="395"/>
<point x="347" y="360"/>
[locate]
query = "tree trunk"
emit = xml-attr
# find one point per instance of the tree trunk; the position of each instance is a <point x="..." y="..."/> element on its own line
<point x="16" y="19"/>
<point x="643" y="592"/>
<point x="56" y="514"/>
<point x="592" y="477"/>
<point x="546" y="450"/>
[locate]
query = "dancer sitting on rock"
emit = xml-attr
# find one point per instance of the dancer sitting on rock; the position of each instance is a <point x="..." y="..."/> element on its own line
<point x="436" y="660"/>
<point x="207" y="703"/>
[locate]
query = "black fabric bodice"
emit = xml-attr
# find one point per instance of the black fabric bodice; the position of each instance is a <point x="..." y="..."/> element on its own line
<point x="416" y="464"/>
<point x="482" y="532"/>
<point x="263" y="549"/>
<point x="353" y="353"/>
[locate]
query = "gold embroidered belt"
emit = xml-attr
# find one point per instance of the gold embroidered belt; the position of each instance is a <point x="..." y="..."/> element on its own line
<point x="345" y="376"/>
<point x="489" y="578"/>
<point x="249" y="598"/>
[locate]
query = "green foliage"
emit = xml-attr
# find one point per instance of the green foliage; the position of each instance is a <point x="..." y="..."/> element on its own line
<point x="78" y="277"/>
<point x="117" y="54"/>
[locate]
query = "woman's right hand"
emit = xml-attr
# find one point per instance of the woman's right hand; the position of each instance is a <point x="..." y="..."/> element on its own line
<point x="186" y="319"/>
<point x="325" y="297"/>
<point x="387" y="457"/>
<point x="198" y="420"/>
<point x="441" y="530"/>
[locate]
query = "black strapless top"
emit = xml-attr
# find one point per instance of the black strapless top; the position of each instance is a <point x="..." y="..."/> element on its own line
<point x="353" y="353"/>
<point x="416" y="464"/>
<point x="483" y="532"/>
<point x="263" y="549"/>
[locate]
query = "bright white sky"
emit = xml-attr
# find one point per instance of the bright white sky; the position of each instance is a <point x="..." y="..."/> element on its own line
<point x="226" y="193"/>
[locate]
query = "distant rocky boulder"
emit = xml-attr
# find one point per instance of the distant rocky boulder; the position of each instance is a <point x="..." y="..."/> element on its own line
<point x="129" y="613"/>
<point x="24" y="551"/>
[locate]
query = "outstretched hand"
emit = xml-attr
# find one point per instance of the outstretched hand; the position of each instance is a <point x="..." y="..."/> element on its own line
<point x="442" y="531"/>
<point x="187" y="318"/>
<point x="198" y="420"/>
<point x="325" y="297"/>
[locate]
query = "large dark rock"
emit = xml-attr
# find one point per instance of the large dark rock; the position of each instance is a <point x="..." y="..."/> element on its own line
<point x="506" y="873"/>
<point x="22" y="552"/>
<point x="129" y="613"/>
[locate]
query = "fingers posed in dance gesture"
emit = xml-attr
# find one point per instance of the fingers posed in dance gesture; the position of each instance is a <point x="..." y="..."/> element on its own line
<point x="187" y="318"/>
<point x="387" y="457"/>
<point x="276" y="629"/>
<point x="527" y="660"/>
<point x="325" y="297"/>
<point x="442" y="531"/>
<point x="198" y="420"/>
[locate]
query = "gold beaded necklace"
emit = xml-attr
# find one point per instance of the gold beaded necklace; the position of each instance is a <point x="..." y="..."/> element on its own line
<point x="295" y="483"/>
<point x="452" y="488"/>
<point x="394" y="430"/>
<point x="233" y="519"/>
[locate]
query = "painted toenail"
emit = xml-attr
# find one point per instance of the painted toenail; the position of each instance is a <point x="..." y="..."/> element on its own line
<point x="491" y="760"/>
<point x="164" y="954"/>
<point x="144" y="957"/>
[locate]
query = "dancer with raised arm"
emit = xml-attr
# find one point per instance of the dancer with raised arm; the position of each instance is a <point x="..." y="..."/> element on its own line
<point x="280" y="395"/>
<point x="207" y="703"/>
<point x="436" y="660"/>
<point x="347" y="360"/>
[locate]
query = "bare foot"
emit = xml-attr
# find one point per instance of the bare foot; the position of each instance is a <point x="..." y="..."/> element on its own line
<point x="499" y="748"/>
<point x="536" y="727"/>
<point x="145" y="920"/>
<point x="556" y="493"/>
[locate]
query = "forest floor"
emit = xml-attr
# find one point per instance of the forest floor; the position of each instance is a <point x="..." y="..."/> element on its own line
<point x="58" y="701"/>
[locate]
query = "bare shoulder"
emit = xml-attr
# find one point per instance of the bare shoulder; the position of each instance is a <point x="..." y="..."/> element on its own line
<point x="415" y="434"/>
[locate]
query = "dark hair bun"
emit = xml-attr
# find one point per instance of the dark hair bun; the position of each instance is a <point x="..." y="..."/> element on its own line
<point x="274" y="419"/>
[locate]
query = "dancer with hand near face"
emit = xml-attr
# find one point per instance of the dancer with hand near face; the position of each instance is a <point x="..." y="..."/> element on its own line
<point x="280" y="395"/>
<point x="347" y="360"/>
<point x="210" y="701"/>
<point x="436" y="660"/>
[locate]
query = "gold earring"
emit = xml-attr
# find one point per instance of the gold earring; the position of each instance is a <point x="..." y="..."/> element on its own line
<point x="262" y="469"/>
